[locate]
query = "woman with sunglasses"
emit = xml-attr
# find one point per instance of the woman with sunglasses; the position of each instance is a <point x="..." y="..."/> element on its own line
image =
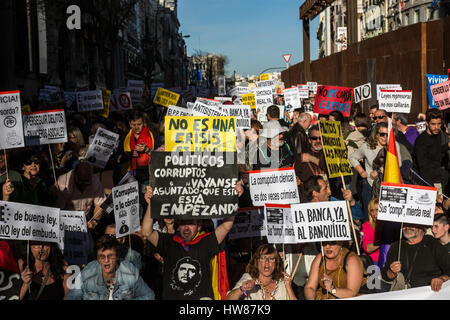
<point x="366" y="153"/>
<point x="35" y="188"/>
<point x="336" y="275"/>
<point x="264" y="278"/>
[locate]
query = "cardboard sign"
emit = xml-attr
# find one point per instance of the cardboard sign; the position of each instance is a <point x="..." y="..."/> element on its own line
<point x="331" y="98"/>
<point x="165" y="97"/>
<point x="44" y="127"/>
<point x="407" y="203"/>
<point x="277" y="186"/>
<point x="178" y="112"/>
<point x="398" y="101"/>
<point x="11" y="128"/>
<point x="278" y="223"/>
<point x="20" y="221"/>
<point x="121" y="102"/>
<point x="291" y="98"/>
<point x="192" y="185"/>
<point x="136" y="89"/>
<point x="363" y="92"/>
<point x="433" y="79"/>
<point x="387" y="87"/>
<point x="441" y="95"/>
<point x="248" y="223"/>
<point x="191" y="134"/>
<point x="249" y="99"/>
<point x="200" y="109"/>
<point x="89" y="100"/>
<point x="321" y="221"/>
<point x="102" y="147"/>
<point x="126" y="208"/>
<point x="243" y="115"/>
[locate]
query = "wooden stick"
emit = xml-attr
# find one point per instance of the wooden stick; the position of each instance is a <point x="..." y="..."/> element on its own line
<point x="351" y="218"/>
<point x="28" y="261"/>
<point x="324" y="262"/>
<point x="400" y="241"/>
<point x="296" y="265"/>
<point x="53" y="164"/>
<point x="6" y="165"/>
<point x="129" y="240"/>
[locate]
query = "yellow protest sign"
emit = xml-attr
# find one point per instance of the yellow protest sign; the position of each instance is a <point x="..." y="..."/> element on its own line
<point x="264" y="76"/>
<point x="106" y="102"/>
<point x="26" y="108"/>
<point x="166" y="98"/>
<point x="334" y="148"/>
<point x="249" y="99"/>
<point x="212" y="134"/>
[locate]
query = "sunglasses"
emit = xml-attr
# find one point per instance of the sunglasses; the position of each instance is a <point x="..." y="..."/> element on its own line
<point x="330" y="243"/>
<point x="378" y="117"/>
<point x="382" y="134"/>
<point x="30" y="161"/>
<point x="314" y="138"/>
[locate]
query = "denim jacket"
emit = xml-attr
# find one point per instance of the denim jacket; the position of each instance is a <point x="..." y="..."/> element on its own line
<point x="129" y="285"/>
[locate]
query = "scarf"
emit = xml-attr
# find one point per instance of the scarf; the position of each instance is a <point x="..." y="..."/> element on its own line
<point x="130" y="143"/>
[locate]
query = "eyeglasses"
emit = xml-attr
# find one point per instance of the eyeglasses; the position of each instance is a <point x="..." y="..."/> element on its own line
<point x="30" y="161"/>
<point x="382" y="134"/>
<point x="330" y="243"/>
<point x="378" y="117"/>
<point x="266" y="259"/>
<point x="110" y="235"/>
<point x="102" y="257"/>
<point x="314" y="138"/>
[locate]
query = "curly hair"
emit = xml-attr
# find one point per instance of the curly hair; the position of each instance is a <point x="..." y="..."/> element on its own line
<point x="252" y="267"/>
<point x="372" y="141"/>
<point x="55" y="258"/>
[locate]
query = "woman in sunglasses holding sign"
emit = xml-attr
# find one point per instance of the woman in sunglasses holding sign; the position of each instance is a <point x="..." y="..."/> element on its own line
<point x="264" y="278"/>
<point x="366" y="153"/>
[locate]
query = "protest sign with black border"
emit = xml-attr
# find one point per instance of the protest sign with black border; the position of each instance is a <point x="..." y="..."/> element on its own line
<point x="45" y="127"/>
<point x="248" y="223"/>
<point x="278" y="223"/>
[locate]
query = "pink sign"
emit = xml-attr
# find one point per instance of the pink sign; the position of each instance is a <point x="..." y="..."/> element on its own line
<point x="331" y="98"/>
<point x="441" y="94"/>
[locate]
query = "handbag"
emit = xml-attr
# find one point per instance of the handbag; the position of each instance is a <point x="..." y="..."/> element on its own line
<point x="401" y="282"/>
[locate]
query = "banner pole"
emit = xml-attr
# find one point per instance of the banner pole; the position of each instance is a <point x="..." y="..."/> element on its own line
<point x="351" y="218"/>
<point x="296" y="265"/>
<point x="53" y="165"/>
<point x="400" y="241"/>
<point x="6" y="165"/>
<point x="324" y="263"/>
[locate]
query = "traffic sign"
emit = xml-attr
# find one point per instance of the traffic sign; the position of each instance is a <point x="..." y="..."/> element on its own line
<point x="287" y="57"/>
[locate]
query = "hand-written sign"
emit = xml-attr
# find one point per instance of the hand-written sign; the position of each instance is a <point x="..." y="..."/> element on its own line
<point x="407" y="203"/>
<point x="320" y="221"/>
<point x="126" y="208"/>
<point x="45" y="127"/>
<point x="166" y="98"/>
<point x="398" y="101"/>
<point x="334" y="149"/>
<point x="102" y="147"/>
<point x="193" y="185"/>
<point x="19" y="221"/>
<point x="11" y="128"/>
<point x="263" y="97"/>
<point x="174" y="111"/>
<point x="363" y="92"/>
<point x="200" y="134"/>
<point x="387" y="87"/>
<point x="90" y="100"/>
<point x="243" y="115"/>
<point x="201" y="109"/>
<point x="291" y="98"/>
<point x="433" y="79"/>
<point x="249" y="99"/>
<point x="248" y="223"/>
<point x="441" y="95"/>
<point x="273" y="186"/>
<point x="278" y="223"/>
<point x="331" y="98"/>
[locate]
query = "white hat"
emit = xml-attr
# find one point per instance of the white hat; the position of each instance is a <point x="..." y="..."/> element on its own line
<point x="271" y="129"/>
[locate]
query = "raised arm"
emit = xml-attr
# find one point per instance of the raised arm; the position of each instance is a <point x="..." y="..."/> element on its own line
<point x="225" y="227"/>
<point x="147" y="222"/>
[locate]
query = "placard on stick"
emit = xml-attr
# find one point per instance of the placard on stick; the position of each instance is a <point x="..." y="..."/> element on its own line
<point x="126" y="208"/>
<point x="45" y="127"/>
<point x="278" y="223"/>
<point x="248" y="223"/>
<point x="11" y="128"/>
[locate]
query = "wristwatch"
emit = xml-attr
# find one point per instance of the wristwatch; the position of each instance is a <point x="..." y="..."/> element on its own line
<point x="333" y="291"/>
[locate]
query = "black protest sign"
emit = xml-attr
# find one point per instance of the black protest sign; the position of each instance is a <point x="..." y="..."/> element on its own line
<point x="193" y="185"/>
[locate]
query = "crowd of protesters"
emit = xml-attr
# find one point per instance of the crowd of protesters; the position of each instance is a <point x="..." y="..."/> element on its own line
<point x="170" y="259"/>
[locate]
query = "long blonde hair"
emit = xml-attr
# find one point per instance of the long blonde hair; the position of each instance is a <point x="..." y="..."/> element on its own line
<point x="372" y="203"/>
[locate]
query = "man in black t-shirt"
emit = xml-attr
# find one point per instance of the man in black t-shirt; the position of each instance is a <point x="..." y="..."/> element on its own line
<point x="187" y="255"/>
<point x="423" y="261"/>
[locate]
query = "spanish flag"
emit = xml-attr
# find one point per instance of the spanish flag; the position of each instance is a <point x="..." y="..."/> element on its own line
<point x="392" y="167"/>
<point x="219" y="276"/>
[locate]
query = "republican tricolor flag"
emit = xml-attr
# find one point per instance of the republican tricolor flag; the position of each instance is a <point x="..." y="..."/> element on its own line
<point x="392" y="167"/>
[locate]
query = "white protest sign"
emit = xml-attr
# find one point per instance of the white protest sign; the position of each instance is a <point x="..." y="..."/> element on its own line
<point x="74" y="221"/>
<point x="178" y="111"/>
<point x="238" y="91"/>
<point x="45" y="127"/>
<point x="20" y="221"/>
<point x="321" y="221"/>
<point x="303" y="93"/>
<point x="291" y="98"/>
<point x="210" y="102"/>
<point x="89" y="100"/>
<point x="421" y="126"/>
<point x="263" y="97"/>
<point x="262" y="115"/>
<point x="11" y="128"/>
<point x="387" y="87"/>
<point x="121" y="101"/>
<point x="398" y="101"/>
<point x="242" y="113"/>
<point x="278" y="223"/>
<point x="200" y="109"/>
<point x="362" y="93"/>
<point x="102" y="147"/>
<point x="267" y="84"/>
<point x="273" y="186"/>
<point x="136" y="89"/>
<point x="407" y="203"/>
<point x="223" y="99"/>
<point x="312" y="86"/>
<point x="126" y="208"/>
<point x="248" y="223"/>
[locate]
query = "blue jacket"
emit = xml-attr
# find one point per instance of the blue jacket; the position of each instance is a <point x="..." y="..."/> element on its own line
<point x="129" y="285"/>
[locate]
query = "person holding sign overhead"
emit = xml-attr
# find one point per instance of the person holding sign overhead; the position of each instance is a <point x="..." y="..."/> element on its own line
<point x="264" y="278"/>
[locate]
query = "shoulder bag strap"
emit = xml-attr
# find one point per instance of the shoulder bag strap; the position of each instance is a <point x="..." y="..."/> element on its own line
<point x="43" y="284"/>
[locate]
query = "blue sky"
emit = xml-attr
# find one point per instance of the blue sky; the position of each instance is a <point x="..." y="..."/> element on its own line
<point x="253" y="34"/>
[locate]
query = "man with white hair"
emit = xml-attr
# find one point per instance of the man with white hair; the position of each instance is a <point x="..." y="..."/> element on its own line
<point x="298" y="139"/>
